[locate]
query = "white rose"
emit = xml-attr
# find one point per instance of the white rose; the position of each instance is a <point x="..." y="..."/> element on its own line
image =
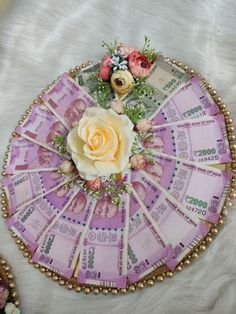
<point x="101" y="144"/>
<point x="10" y="308"/>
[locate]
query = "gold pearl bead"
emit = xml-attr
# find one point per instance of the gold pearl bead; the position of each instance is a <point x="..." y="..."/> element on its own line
<point x="14" y="293"/>
<point x="140" y="285"/>
<point x="213" y="92"/>
<point x="160" y="278"/>
<point x="96" y="291"/>
<point x="61" y="282"/>
<point x="202" y="247"/>
<point x="185" y="68"/>
<point x="90" y="62"/>
<point x="105" y="291"/>
<point x="187" y="262"/>
<point x="10" y="276"/>
<point x="7" y="268"/>
<point x="179" y="64"/>
<point x="224" y="212"/>
<point x="132" y="288"/>
<point x="3" y="262"/>
<point x="173" y="61"/>
<point x="214" y="231"/>
<point x="232" y="195"/>
<point x="26" y="254"/>
<point x="221" y="222"/>
<point x="114" y="291"/>
<point x="17" y="303"/>
<point x="42" y="269"/>
<point x="4" y="215"/>
<point x="21" y="247"/>
<point x="55" y="277"/>
<point x="231" y="129"/>
<point x="169" y="274"/>
<point x="209" y="86"/>
<point x="30" y="261"/>
<point x="77" y="68"/>
<point x="191" y="72"/>
<point x="78" y="289"/>
<point x="3" y="202"/>
<point x="209" y="239"/>
<point x="178" y="268"/>
<point x="18" y="241"/>
<point x="49" y="274"/>
<point x="123" y="290"/>
<point x="69" y="286"/>
<point x="194" y="255"/>
<point x="36" y="265"/>
<point x="229" y="204"/>
<point x="83" y="65"/>
<point x="12" y="285"/>
<point x="150" y="282"/>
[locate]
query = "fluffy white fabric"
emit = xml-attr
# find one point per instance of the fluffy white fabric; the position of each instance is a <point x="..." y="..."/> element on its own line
<point x="41" y="39"/>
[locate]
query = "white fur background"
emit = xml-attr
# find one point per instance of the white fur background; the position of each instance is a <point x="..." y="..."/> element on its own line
<point x="38" y="41"/>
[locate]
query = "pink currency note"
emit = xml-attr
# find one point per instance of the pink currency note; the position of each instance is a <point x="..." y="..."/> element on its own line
<point x="201" y="140"/>
<point x="67" y="100"/>
<point x="26" y="156"/>
<point x="31" y="221"/>
<point x="182" y="230"/>
<point x="23" y="188"/>
<point x="192" y="101"/>
<point x="41" y="126"/>
<point x="61" y="244"/>
<point x="103" y="258"/>
<point x="147" y="246"/>
<point x="180" y="178"/>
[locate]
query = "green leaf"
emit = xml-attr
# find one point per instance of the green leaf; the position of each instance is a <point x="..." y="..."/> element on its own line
<point x="134" y="113"/>
<point x="111" y="46"/>
<point x="59" y="144"/>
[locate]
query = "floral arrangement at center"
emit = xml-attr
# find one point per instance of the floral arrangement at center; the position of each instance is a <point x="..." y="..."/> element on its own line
<point x="104" y="143"/>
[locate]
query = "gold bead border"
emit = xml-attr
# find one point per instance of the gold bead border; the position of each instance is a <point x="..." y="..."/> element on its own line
<point x="10" y="279"/>
<point x="160" y="274"/>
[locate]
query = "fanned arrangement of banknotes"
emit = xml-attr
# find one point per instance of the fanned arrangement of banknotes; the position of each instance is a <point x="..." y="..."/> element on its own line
<point x="173" y="201"/>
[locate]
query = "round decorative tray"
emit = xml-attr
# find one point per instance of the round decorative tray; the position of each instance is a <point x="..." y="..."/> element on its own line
<point x="161" y="272"/>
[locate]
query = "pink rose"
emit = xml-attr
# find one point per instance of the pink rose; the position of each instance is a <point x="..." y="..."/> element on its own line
<point x="144" y="125"/>
<point x="137" y="162"/>
<point x="4" y="293"/>
<point x="105" y="68"/>
<point x="117" y="106"/>
<point x="138" y="64"/>
<point x="95" y="184"/>
<point x="66" y="166"/>
<point x="124" y="50"/>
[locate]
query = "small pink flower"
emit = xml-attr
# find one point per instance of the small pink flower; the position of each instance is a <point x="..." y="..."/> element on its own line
<point x="74" y="124"/>
<point x="137" y="162"/>
<point x="117" y="106"/>
<point x="105" y="68"/>
<point x="144" y="125"/>
<point x="95" y="184"/>
<point x="66" y="166"/>
<point x="138" y="64"/>
<point x="125" y="50"/>
<point x="4" y="293"/>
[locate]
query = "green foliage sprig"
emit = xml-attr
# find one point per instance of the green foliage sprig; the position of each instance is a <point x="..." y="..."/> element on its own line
<point x="149" y="52"/>
<point x="102" y="90"/>
<point x="59" y="144"/>
<point x="111" y="46"/>
<point x="135" y="113"/>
